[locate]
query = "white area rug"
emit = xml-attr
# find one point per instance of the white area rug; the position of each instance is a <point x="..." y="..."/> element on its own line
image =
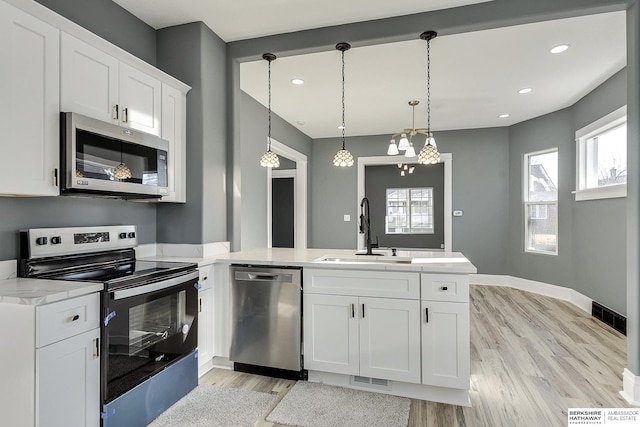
<point x="317" y="405"/>
<point x="210" y="406"/>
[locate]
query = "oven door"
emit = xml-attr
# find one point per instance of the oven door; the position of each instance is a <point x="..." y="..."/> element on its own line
<point x="145" y="329"/>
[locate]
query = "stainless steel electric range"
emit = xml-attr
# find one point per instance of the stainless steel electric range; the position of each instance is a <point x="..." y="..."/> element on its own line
<point x="149" y="315"/>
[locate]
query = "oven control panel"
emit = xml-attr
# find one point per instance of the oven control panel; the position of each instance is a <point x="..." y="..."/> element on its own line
<point x="44" y="242"/>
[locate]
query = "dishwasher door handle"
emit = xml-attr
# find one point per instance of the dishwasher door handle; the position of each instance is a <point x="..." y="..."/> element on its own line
<point x="263" y="276"/>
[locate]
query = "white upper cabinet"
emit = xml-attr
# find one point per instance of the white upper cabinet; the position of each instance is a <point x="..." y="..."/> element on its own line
<point x="140" y="96"/>
<point x="98" y="85"/>
<point x="89" y="80"/>
<point x="174" y="130"/>
<point x="29" y="120"/>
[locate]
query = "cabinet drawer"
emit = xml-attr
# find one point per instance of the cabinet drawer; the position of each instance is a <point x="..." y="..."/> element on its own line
<point x="67" y="318"/>
<point x="445" y="287"/>
<point x="389" y="284"/>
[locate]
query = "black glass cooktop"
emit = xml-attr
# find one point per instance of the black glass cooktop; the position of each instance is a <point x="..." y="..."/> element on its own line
<point x="127" y="273"/>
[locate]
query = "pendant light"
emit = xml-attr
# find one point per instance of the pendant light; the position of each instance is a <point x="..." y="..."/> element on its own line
<point x="121" y="172"/>
<point x="343" y="158"/>
<point x="269" y="159"/>
<point x="429" y="153"/>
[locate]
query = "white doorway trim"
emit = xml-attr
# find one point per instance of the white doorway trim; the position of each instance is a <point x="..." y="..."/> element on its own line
<point x="445" y="158"/>
<point x="299" y="175"/>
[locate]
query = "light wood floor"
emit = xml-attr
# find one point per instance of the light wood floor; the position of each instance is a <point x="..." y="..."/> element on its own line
<point x="532" y="358"/>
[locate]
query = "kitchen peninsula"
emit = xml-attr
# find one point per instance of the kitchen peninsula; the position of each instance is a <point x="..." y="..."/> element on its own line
<point x="390" y="324"/>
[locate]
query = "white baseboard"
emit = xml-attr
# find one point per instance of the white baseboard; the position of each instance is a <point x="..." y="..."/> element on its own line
<point x="630" y="387"/>
<point x="560" y="292"/>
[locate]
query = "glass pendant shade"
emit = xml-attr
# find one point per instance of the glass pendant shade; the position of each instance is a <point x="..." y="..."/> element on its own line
<point x="404" y="142"/>
<point x="393" y="148"/>
<point x="343" y="158"/>
<point x="270" y="160"/>
<point x="411" y="152"/>
<point x="121" y="172"/>
<point x="429" y="154"/>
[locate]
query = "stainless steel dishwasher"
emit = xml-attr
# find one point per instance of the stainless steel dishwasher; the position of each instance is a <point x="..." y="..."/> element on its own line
<point x="266" y="320"/>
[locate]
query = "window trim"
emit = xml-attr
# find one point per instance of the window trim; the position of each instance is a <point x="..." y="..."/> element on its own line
<point x="526" y="203"/>
<point x="610" y="121"/>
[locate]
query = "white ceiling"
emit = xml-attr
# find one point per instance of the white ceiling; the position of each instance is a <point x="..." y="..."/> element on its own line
<point x="243" y="19"/>
<point x="475" y="76"/>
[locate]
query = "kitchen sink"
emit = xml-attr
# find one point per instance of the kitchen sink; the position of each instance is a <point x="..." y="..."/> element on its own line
<point x="365" y="260"/>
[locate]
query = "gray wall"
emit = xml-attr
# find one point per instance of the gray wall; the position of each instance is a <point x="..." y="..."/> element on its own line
<point x="479" y="187"/>
<point x="381" y="177"/>
<point x="111" y="22"/>
<point x="253" y="189"/>
<point x="121" y="28"/>
<point x="194" y="54"/>
<point x="591" y="250"/>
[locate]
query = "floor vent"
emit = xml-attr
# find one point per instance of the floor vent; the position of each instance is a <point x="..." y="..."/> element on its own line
<point x="610" y="317"/>
<point x="376" y="383"/>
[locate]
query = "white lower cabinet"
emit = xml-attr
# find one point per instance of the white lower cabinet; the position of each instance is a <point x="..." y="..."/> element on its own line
<point x="50" y="368"/>
<point x="68" y="381"/>
<point x="406" y="327"/>
<point x="445" y="330"/>
<point x="390" y="339"/>
<point x="370" y="337"/>
<point x="445" y="344"/>
<point x="205" y="319"/>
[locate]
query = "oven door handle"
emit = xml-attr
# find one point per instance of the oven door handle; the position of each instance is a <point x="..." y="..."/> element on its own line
<point x="156" y="286"/>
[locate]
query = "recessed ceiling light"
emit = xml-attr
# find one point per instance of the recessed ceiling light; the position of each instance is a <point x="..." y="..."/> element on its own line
<point x="340" y="127"/>
<point x="503" y="116"/>
<point x="525" y="90"/>
<point x="560" y="48"/>
<point x="297" y="81"/>
<point x="300" y="122"/>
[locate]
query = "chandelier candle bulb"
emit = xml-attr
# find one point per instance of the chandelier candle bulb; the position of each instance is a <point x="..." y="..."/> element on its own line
<point x="393" y="148"/>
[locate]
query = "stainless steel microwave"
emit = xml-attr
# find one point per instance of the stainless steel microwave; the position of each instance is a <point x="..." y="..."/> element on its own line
<point x="103" y="159"/>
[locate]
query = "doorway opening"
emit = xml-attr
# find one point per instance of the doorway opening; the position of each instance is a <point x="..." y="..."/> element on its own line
<point x="445" y="158"/>
<point x="287" y="199"/>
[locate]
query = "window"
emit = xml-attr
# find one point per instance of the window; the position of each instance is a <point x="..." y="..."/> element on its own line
<point x="541" y="202"/>
<point x="602" y="158"/>
<point x="409" y="211"/>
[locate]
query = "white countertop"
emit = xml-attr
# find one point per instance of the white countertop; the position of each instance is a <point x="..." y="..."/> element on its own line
<point x="41" y="291"/>
<point x="422" y="261"/>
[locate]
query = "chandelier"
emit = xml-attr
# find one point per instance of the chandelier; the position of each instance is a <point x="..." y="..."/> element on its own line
<point x="429" y="153"/>
<point x="406" y="136"/>
<point x="269" y="159"/>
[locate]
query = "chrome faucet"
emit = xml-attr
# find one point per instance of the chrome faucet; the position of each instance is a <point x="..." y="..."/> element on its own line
<point x="365" y="226"/>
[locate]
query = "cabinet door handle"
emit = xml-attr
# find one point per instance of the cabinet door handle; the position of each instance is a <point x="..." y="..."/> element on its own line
<point x="115" y="112"/>
<point x="74" y="318"/>
<point x="426" y="315"/>
<point x="125" y="115"/>
<point x="200" y="309"/>
<point x="55" y="177"/>
<point x="363" y="311"/>
<point x="353" y="310"/>
<point x="444" y="288"/>
<point x="96" y="354"/>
